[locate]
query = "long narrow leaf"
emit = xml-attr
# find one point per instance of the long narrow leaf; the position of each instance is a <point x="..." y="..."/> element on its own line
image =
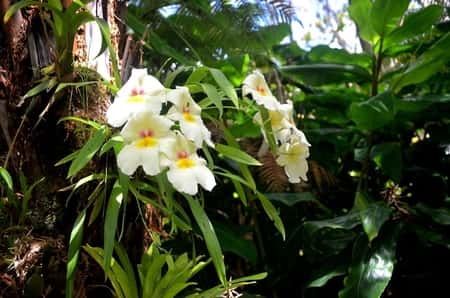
<point x="76" y="236"/>
<point x="212" y="243"/>
<point x="112" y="214"/>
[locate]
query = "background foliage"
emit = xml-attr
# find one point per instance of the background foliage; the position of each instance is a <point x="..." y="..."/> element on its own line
<point x="372" y="219"/>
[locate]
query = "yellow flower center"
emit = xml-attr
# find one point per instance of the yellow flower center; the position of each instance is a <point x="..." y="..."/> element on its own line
<point x="188" y="117"/>
<point x="146" y="142"/>
<point x="185" y="163"/>
<point x="136" y="99"/>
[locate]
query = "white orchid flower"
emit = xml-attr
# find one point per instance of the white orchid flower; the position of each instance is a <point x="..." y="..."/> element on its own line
<point x="142" y="92"/>
<point x="144" y="134"/>
<point x="256" y="85"/>
<point x="281" y="121"/>
<point x="187" y="112"/>
<point x="186" y="168"/>
<point x="292" y="156"/>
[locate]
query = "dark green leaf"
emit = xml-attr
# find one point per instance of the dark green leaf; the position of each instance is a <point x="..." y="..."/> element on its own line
<point x="438" y="215"/>
<point x="373" y="113"/>
<point x="414" y="24"/>
<point x="325" y="54"/>
<point x="388" y="156"/>
<point x="373" y="215"/>
<point x="212" y="243"/>
<point x="430" y="62"/>
<point x="371" y="267"/>
<point x="328" y="270"/>
<point x="320" y="74"/>
<point x="386" y="14"/>
<point x="87" y="152"/>
<point x="231" y="239"/>
<point x="290" y="199"/>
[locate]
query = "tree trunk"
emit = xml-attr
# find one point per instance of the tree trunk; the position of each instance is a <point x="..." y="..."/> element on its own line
<point x="32" y="141"/>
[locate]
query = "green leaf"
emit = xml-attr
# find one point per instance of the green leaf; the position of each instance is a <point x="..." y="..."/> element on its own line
<point x="4" y="174"/>
<point x="237" y="155"/>
<point x="326" y="73"/>
<point x="373" y="215"/>
<point x="91" y="123"/>
<point x="329" y="268"/>
<point x="386" y="14"/>
<point x="231" y="238"/>
<point x="87" y="152"/>
<point x="76" y="236"/>
<point x="61" y="86"/>
<point x="360" y="13"/>
<point x="215" y="97"/>
<point x="428" y="64"/>
<point x="21" y="4"/>
<point x="290" y="199"/>
<point x="111" y="218"/>
<point x="225" y="85"/>
<point x="325" y="54"/>
<point x="371" y="267"/>
<point x="414" y="24"/>
<point x="106" y="42"/>
<point x="388" y="156"/>
<point x="117" y="277"/>
<point x="438" y="215"/>
<point x="212" y="243"/>
<point x="272" y="213"/>
<point x="373" y="113"/>
<point x="37" y="89"/>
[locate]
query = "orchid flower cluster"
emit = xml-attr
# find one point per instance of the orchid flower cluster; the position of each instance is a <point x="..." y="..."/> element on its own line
<point x="293" y="147"/>
<point x="159" y="141"/>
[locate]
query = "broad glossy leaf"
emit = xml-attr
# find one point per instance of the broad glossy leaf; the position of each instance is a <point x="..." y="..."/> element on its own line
<point x="414" y="24"/>
<point x="388" y="156"/>
<point x="290" y="199"/>
<point x="386" y="14"/>
<point x="326" y="73"/>
<point x="373" y="215"/>
<point x="360" y="13"/>
<point x="372" y="266"/>
<point x="231" y="239"/>
<point x="328" y="269"/>
<point x="325" y="54"/>
<point x="209" y="235"/>
<point x="373" y="113"/>
<point x="237" y="155"/>
<point x="111" y="218"/>
<point x="87" y="152"/>
<point x="417" y="104"/>
<point x="76" y="236"/>
<point x="430" y="62"/>
<point x="438" y="215"/>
